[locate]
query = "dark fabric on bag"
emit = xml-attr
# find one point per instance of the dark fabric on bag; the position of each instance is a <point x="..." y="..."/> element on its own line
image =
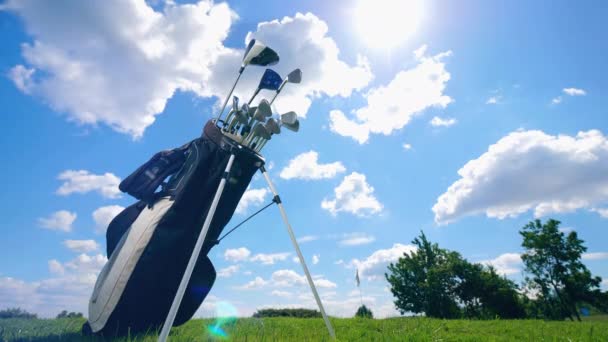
<point x="151" y="288"/>
<point x="144" y="181"/>
<point x="120" y="224"/>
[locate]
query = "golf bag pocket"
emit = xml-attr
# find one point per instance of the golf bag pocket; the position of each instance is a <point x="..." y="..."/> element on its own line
<point x="144" y="181"/>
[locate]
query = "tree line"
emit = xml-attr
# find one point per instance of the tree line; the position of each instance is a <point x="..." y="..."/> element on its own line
<point x="441" y="283"/>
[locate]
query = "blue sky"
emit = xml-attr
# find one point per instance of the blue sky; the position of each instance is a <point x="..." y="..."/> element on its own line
<point x="513" y="90"/>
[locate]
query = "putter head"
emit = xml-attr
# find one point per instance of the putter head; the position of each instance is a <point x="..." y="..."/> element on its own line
<point x="272" y="126"/>
<point x="292" y="126"/>
<point x="289" y="118"/>
<point x="271" y="80"/>
<point x="295" y="76"/>
<point x="257" y="53"/>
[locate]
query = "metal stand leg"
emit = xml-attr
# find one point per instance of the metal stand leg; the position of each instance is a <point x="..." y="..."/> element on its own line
<point x="197" y="250"/>
<point x="297" y="248"/>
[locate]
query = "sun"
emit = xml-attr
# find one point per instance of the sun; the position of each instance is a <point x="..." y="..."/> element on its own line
<point x="386" y="24"/>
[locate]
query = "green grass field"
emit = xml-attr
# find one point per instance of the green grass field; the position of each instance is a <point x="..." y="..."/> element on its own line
<point x="298" y="329"/>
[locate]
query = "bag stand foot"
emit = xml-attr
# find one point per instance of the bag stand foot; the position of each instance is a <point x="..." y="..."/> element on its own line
<point x="300" y="256"/>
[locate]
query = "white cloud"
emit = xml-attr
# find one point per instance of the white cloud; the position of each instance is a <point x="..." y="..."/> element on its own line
<point x="356" y="239"/>
<point x="122" y="74"/>
<point x="407" y="146"/>
<point x="603" y="212"/>
<point x="251" y="197"/>
<point x="236" y="255"/>
<point x="302" y="42"/>
<point x="119" y="72"/>
<point x="354" y="195"/>
<point x="258" y="282"/>
<point x="595" y="256"/>
<point x="55" y="267"/>
<point x="556" y="100"/>
<point x="494" y="99"/>
<point x="530" y="170"/>
<point x="68" y="289"/>
<point x="269" y="259"/>
<point x="574" y="92"/>
<point x="306" y="166"/>
<point x="82" y="246"/>
<point x="83" y="181"/>
<point x="505" y="264"/>
<point x="375" y="266"/>
<point x="339" y="262"/>
<point x="289" y="278"/>
<point x="104" y="215"/>
<point x="283" y="294"/>
<point x="307" y="238"/>
<point x="229" y="271"/>
<point x="440" y="122"/>
<point x="391" y="107"/>
<point x="61" y="220"/>
<point x="315" y="259"/>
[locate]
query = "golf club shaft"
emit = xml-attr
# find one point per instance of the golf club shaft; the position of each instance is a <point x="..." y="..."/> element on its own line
<point x="297" y="248"/>
<point x="193" y="258"/>
<point x="278" y="91"/>
<point x="257" y="91"/>
<point x="229" y="94"/>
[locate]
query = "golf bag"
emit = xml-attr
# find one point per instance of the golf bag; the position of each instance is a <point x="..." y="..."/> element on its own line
<point x="150" y="242"/>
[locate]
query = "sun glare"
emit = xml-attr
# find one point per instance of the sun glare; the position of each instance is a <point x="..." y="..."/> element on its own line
<point x="386" y="24"/>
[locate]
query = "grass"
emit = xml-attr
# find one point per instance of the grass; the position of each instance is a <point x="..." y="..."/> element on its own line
<point x="347" y="329"/>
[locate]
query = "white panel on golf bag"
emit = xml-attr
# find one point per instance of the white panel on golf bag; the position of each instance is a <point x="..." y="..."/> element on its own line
<point x="116" y="273"/>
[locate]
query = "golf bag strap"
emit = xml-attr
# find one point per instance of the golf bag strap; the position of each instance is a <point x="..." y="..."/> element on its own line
<point x="275" y="200"/>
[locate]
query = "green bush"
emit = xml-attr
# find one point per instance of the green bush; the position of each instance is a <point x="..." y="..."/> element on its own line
<point x="364" y="312"/>
<point x="300" y="313"/>
<point x="16" y="313"/>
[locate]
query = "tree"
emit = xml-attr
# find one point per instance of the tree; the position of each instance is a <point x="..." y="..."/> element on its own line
<point x="300" y="313"/>
<point x="556" y="272"/>
<point x="65" y="314"/>
<point x="16" y="313"/>
<point x="441" y="283"/>
<point x="423" y="281"/>
<point x="364" y="312"/>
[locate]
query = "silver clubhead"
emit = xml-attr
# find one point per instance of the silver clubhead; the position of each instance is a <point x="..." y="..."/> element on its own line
<point x="295" y="76"/>
<point x="292" y="126"/>
<point x="289" y="118"/>
<point x="272" y="126"/>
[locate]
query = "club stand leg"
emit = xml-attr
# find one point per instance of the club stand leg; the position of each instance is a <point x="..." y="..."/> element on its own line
<point x="297" y="248"/>
<point x="195" y="253"/>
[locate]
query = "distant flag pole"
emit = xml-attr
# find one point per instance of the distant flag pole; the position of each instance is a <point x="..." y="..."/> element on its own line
<point x="358" y="280"/>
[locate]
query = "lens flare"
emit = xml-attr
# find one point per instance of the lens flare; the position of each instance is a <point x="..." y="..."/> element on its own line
<point x="226" y="314"/>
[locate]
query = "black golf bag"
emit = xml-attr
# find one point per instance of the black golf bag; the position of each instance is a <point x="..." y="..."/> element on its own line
<point x="150" y="242"/>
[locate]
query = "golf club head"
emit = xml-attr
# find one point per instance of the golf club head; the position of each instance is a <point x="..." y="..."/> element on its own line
<point x="295" y="76"/>
<point x="289" y="118"/>
<point x="263" y="109"/>
<point x="271" y="80"/>
<point x="292" y="126"/>
<point x="257" y="53"/>
<point x="235" y="103"/>
<point x="272" y="126"/>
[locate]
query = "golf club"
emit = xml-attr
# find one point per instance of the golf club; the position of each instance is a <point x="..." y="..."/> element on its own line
<point x="293" y="77"/>
<point x="262" y="111"/>
<point x="270" y="80"/>
<point x="273" y="128"/>
<point x="235" y="108"/>
<point x="256" y="53"/>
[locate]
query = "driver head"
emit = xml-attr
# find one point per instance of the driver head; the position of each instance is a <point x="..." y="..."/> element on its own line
<point x="289" y="118"/>
<point x="257" y="53"/>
